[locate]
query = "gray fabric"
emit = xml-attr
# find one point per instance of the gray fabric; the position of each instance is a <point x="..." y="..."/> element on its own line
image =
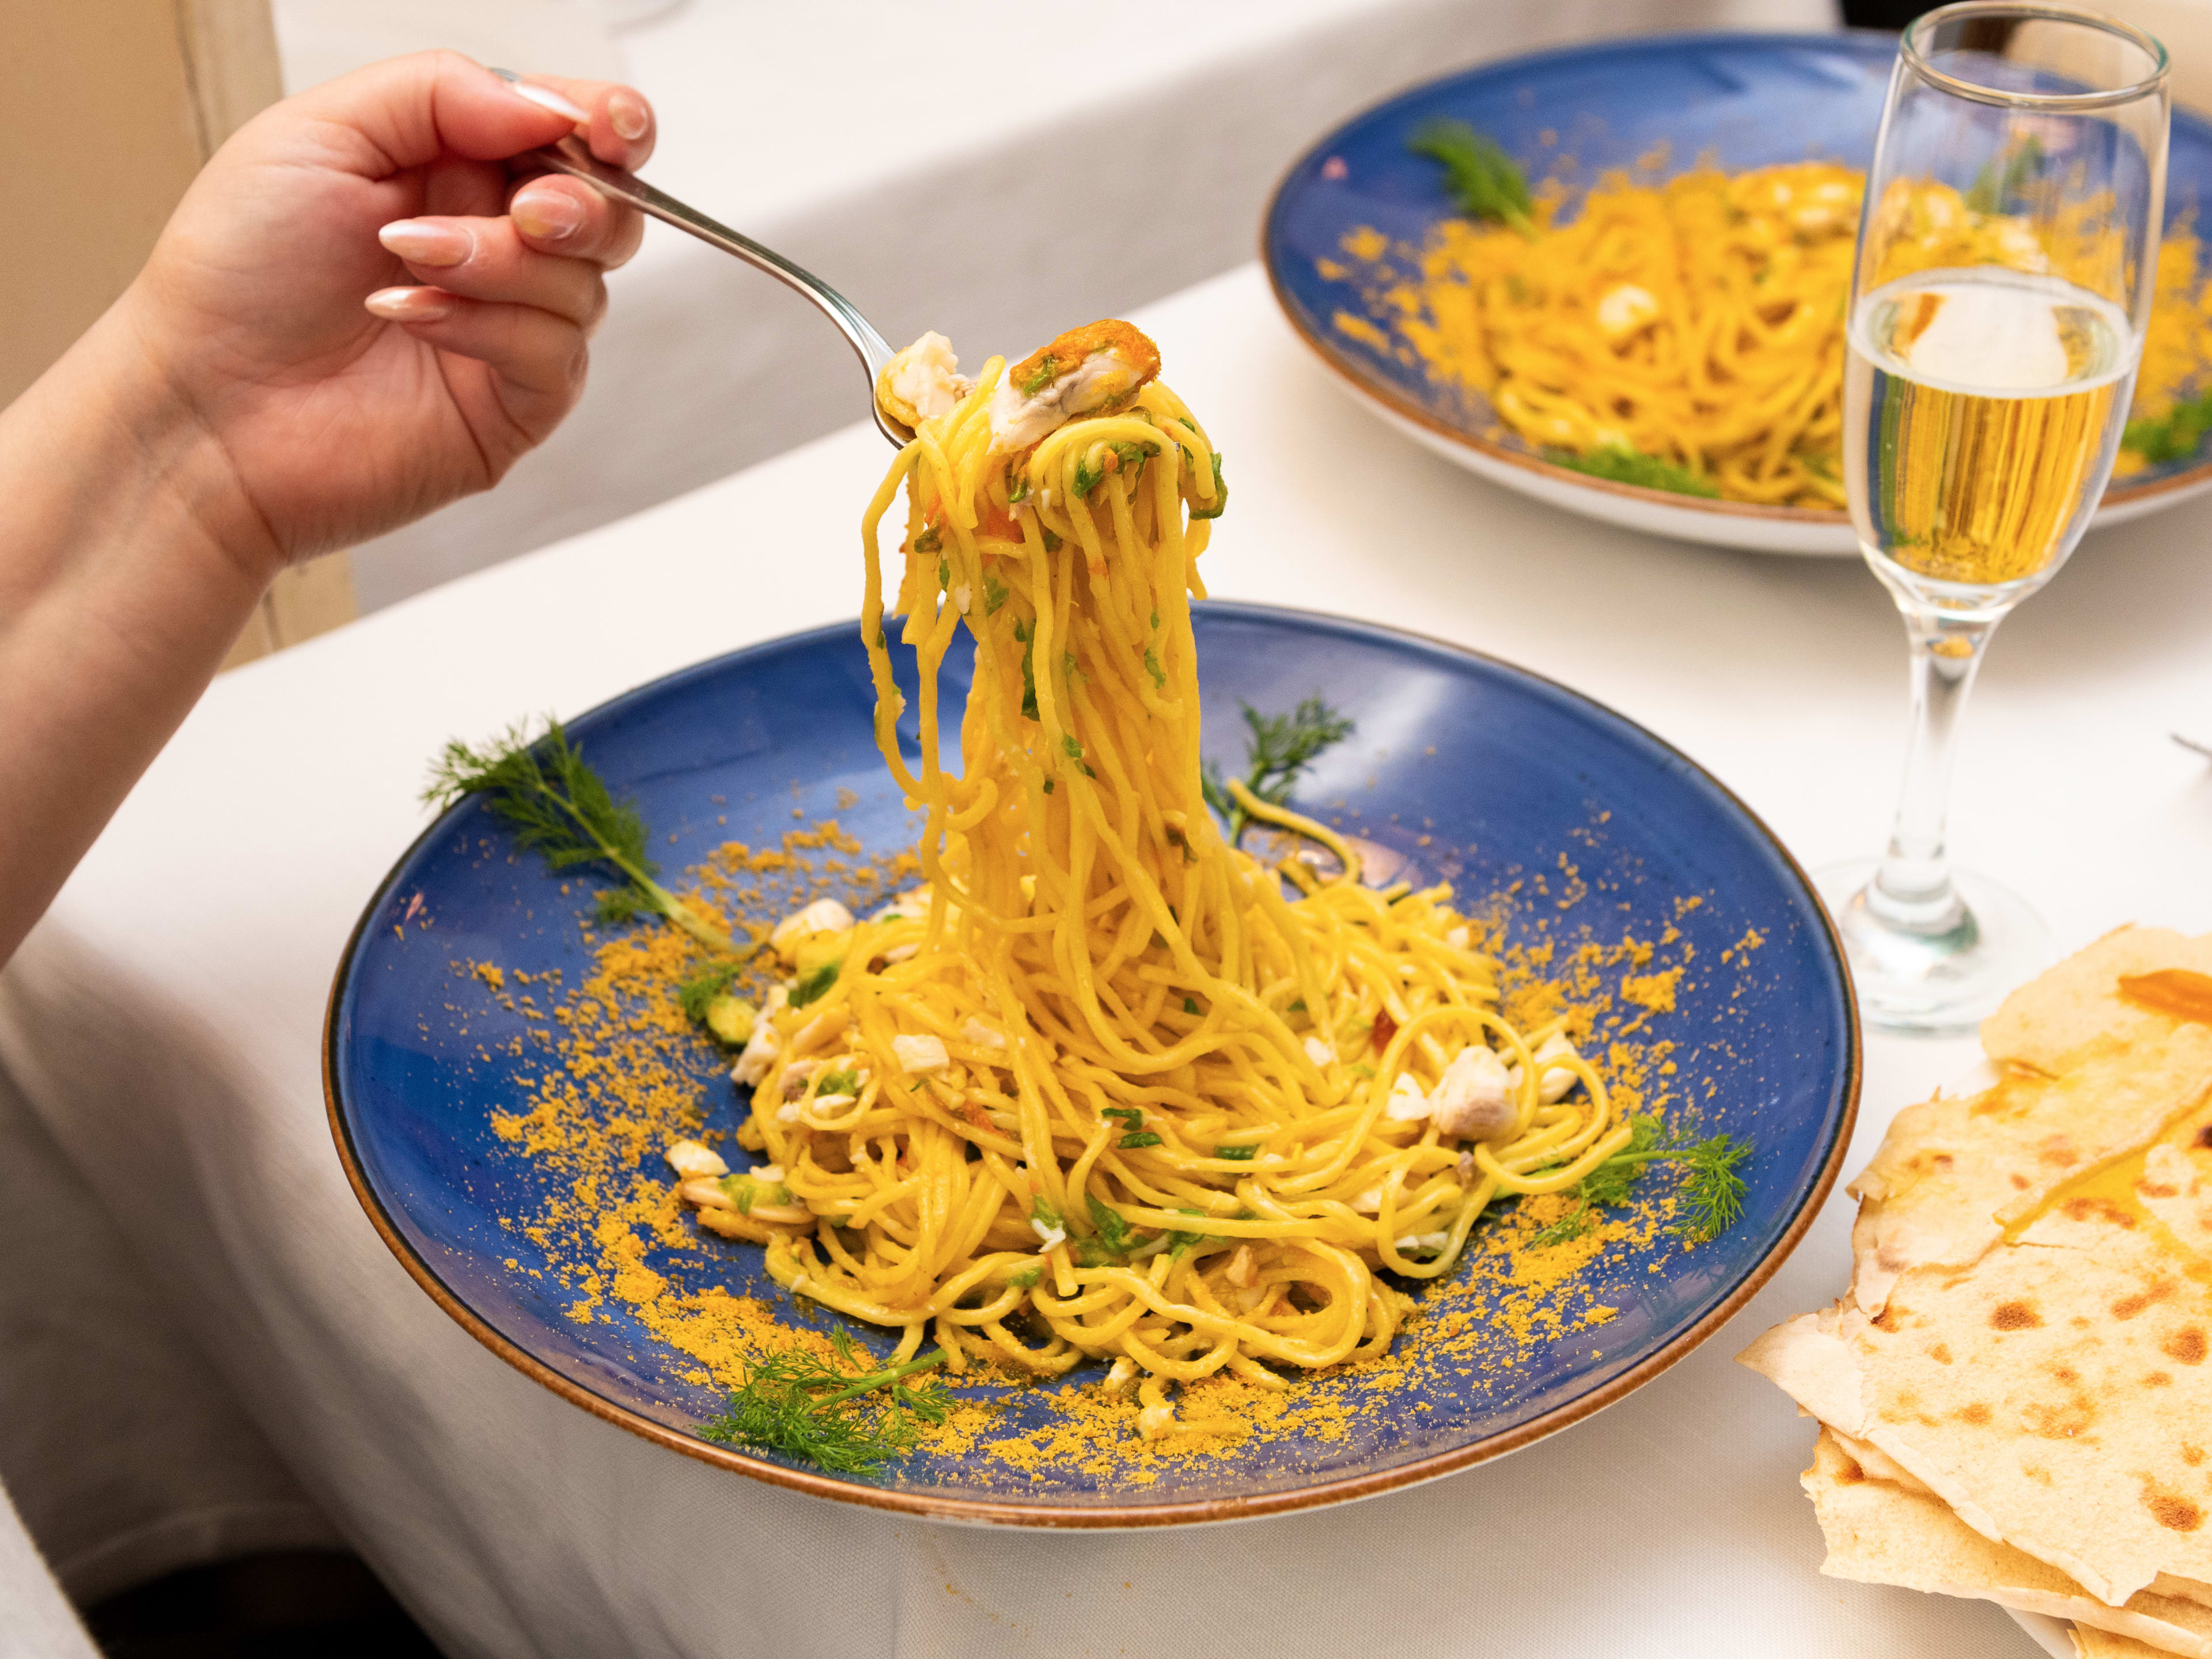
<point x="121" y="1446"/>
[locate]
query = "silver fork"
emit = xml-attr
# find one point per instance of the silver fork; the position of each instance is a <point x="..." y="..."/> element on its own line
<point x="571" y="156"/>
<point x="2203" y="749"/>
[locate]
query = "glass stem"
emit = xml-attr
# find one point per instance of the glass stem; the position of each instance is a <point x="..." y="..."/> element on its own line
<point x="1912" y="890"/>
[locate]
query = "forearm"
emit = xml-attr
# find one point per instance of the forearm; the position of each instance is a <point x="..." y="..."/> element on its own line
<point x="128" y="562"/>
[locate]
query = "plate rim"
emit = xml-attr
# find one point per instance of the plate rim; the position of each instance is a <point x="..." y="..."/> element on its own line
<point x="2119" y="495"/>
<point x="1126" y="1516"/>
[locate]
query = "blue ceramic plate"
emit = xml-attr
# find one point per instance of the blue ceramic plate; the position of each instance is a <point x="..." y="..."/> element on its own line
<point x="1743" y="101"/>
<point x="1472" y="771"/>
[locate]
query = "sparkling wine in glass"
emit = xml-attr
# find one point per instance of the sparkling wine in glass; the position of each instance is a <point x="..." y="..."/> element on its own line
<point x="2003" y="281"/>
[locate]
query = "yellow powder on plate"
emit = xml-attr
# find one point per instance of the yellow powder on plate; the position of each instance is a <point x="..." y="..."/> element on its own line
<point x="616" y="1081"/>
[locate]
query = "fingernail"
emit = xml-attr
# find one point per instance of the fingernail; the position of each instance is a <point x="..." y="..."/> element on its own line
<point x="546" y="98"/>
<point x="546" y="216"/>
<point x="411" y="305"/>
<point x="424" y="244"/>
<point x="626" y="114"/>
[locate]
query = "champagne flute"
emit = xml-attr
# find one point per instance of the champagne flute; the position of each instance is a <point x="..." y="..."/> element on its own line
<point x="2005" y="265"/>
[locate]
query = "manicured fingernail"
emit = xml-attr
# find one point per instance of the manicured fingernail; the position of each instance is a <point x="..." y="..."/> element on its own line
<point x="424" y="244"/>
<point x="411" y="305"/>
<point x="546" y="216"/>
<point x="626" y="114"/>
<point x="546" y="98"/>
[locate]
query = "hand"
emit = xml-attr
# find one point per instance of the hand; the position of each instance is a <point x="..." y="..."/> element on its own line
<point x="350" y="384"/>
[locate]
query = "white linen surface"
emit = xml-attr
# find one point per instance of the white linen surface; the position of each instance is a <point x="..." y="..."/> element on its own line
<point x="163" y="1025"/>
<point x="997" y="170"/>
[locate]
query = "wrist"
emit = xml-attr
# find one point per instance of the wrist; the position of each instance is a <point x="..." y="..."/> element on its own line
<point x="147" y="417"/>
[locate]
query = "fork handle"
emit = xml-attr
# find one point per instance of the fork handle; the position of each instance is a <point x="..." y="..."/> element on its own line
<point x="570" y="157"/>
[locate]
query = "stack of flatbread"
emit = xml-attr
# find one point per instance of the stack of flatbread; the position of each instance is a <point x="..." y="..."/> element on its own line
<point x="2015" y="1395"/>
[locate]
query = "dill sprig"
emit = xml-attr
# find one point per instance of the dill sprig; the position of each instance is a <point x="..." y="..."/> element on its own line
<point x="802" y="1405"/>
<point x="1482" y="178"/>
<point x="1281" y="747"/>
<point x="2175" y="435"/>
<point x="563" y="809"/>
<point x="694" y="995"/>
<point x="1992" y="188"/>
<point x="1632" y="466"/>
<point x="1709" y="1201"/>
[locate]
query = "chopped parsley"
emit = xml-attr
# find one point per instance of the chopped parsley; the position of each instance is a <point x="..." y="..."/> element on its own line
<point x="1628" y="466"/>
<point x="812" y="987"/>
<point x="1218" y="506"/>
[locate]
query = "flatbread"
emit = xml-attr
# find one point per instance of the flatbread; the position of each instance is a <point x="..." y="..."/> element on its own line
<point x="2090" y="1642"/>
<point x="1953" y="1172"/>
<point x="2046" y="1022"/>
<point x="1878" y="1533"/>
<point x="2176" y="1187"/>
<point x="2056" y="1396"/>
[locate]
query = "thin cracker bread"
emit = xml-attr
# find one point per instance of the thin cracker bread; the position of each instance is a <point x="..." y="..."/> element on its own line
<point x="1953" y="1172"/>
<point x="2046" y="1022"/>
<point x="1878" y="1533"/>
<point x="2090" y="1642"/>
<point x="2055" y="1395"/>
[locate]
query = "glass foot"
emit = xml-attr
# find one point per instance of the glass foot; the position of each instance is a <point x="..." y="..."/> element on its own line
<point x="1935" y="981"/>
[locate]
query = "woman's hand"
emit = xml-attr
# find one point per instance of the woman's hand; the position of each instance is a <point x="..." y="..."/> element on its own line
<point x="276" y="383"/>
<point x="365" y="312"/>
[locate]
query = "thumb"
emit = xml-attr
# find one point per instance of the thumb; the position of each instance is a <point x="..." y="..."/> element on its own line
<point x="407" y="111"/>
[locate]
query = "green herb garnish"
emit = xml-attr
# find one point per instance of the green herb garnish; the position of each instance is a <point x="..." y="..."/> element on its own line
<point x="1131" y="1116"/>
<point x="1483" y="179"/>
<point x="1113" y="1231"/>
<point x="563" y="809"/>
<point x="1281" y="747"/>
<point x="1046" y="369"/>
<point x="2175" y="435"/>
<point x="1237" y="1154"/>
<point x="1131" y="1143"/>
<point x="1179" y="1242"/>
<point x="1028" y="640"/>
<point x="1220" y="505"/>
<point x="802" y="1406"/>
<point x="815" y="986"/>
<point x="1991" y="189"/>
<point x="1711" y="1193"/>
<point x="695" y="994"/>
<point x="994" y="594"/>
<point x="1631" y="466"/>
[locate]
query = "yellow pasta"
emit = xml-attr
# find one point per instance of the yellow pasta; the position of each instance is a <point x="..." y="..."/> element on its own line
<point x="1106" y="1086"/>
<point x="1700" y="322"/>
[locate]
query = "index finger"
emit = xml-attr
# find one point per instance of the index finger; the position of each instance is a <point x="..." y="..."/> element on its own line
<point x="621" y="128"/>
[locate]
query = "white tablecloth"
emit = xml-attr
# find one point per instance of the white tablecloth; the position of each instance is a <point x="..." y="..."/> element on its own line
<point x="162" y="1024"/>
<point x="929" y="160"/>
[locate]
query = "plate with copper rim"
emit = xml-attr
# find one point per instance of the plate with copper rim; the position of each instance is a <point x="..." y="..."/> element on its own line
<point x="1741" y="100"/>
<point x="1464" y="769"/>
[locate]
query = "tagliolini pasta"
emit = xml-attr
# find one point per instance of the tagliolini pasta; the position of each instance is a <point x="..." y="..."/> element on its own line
<point x="1107" y="1086"/>
<point x="1699" y="323"/>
